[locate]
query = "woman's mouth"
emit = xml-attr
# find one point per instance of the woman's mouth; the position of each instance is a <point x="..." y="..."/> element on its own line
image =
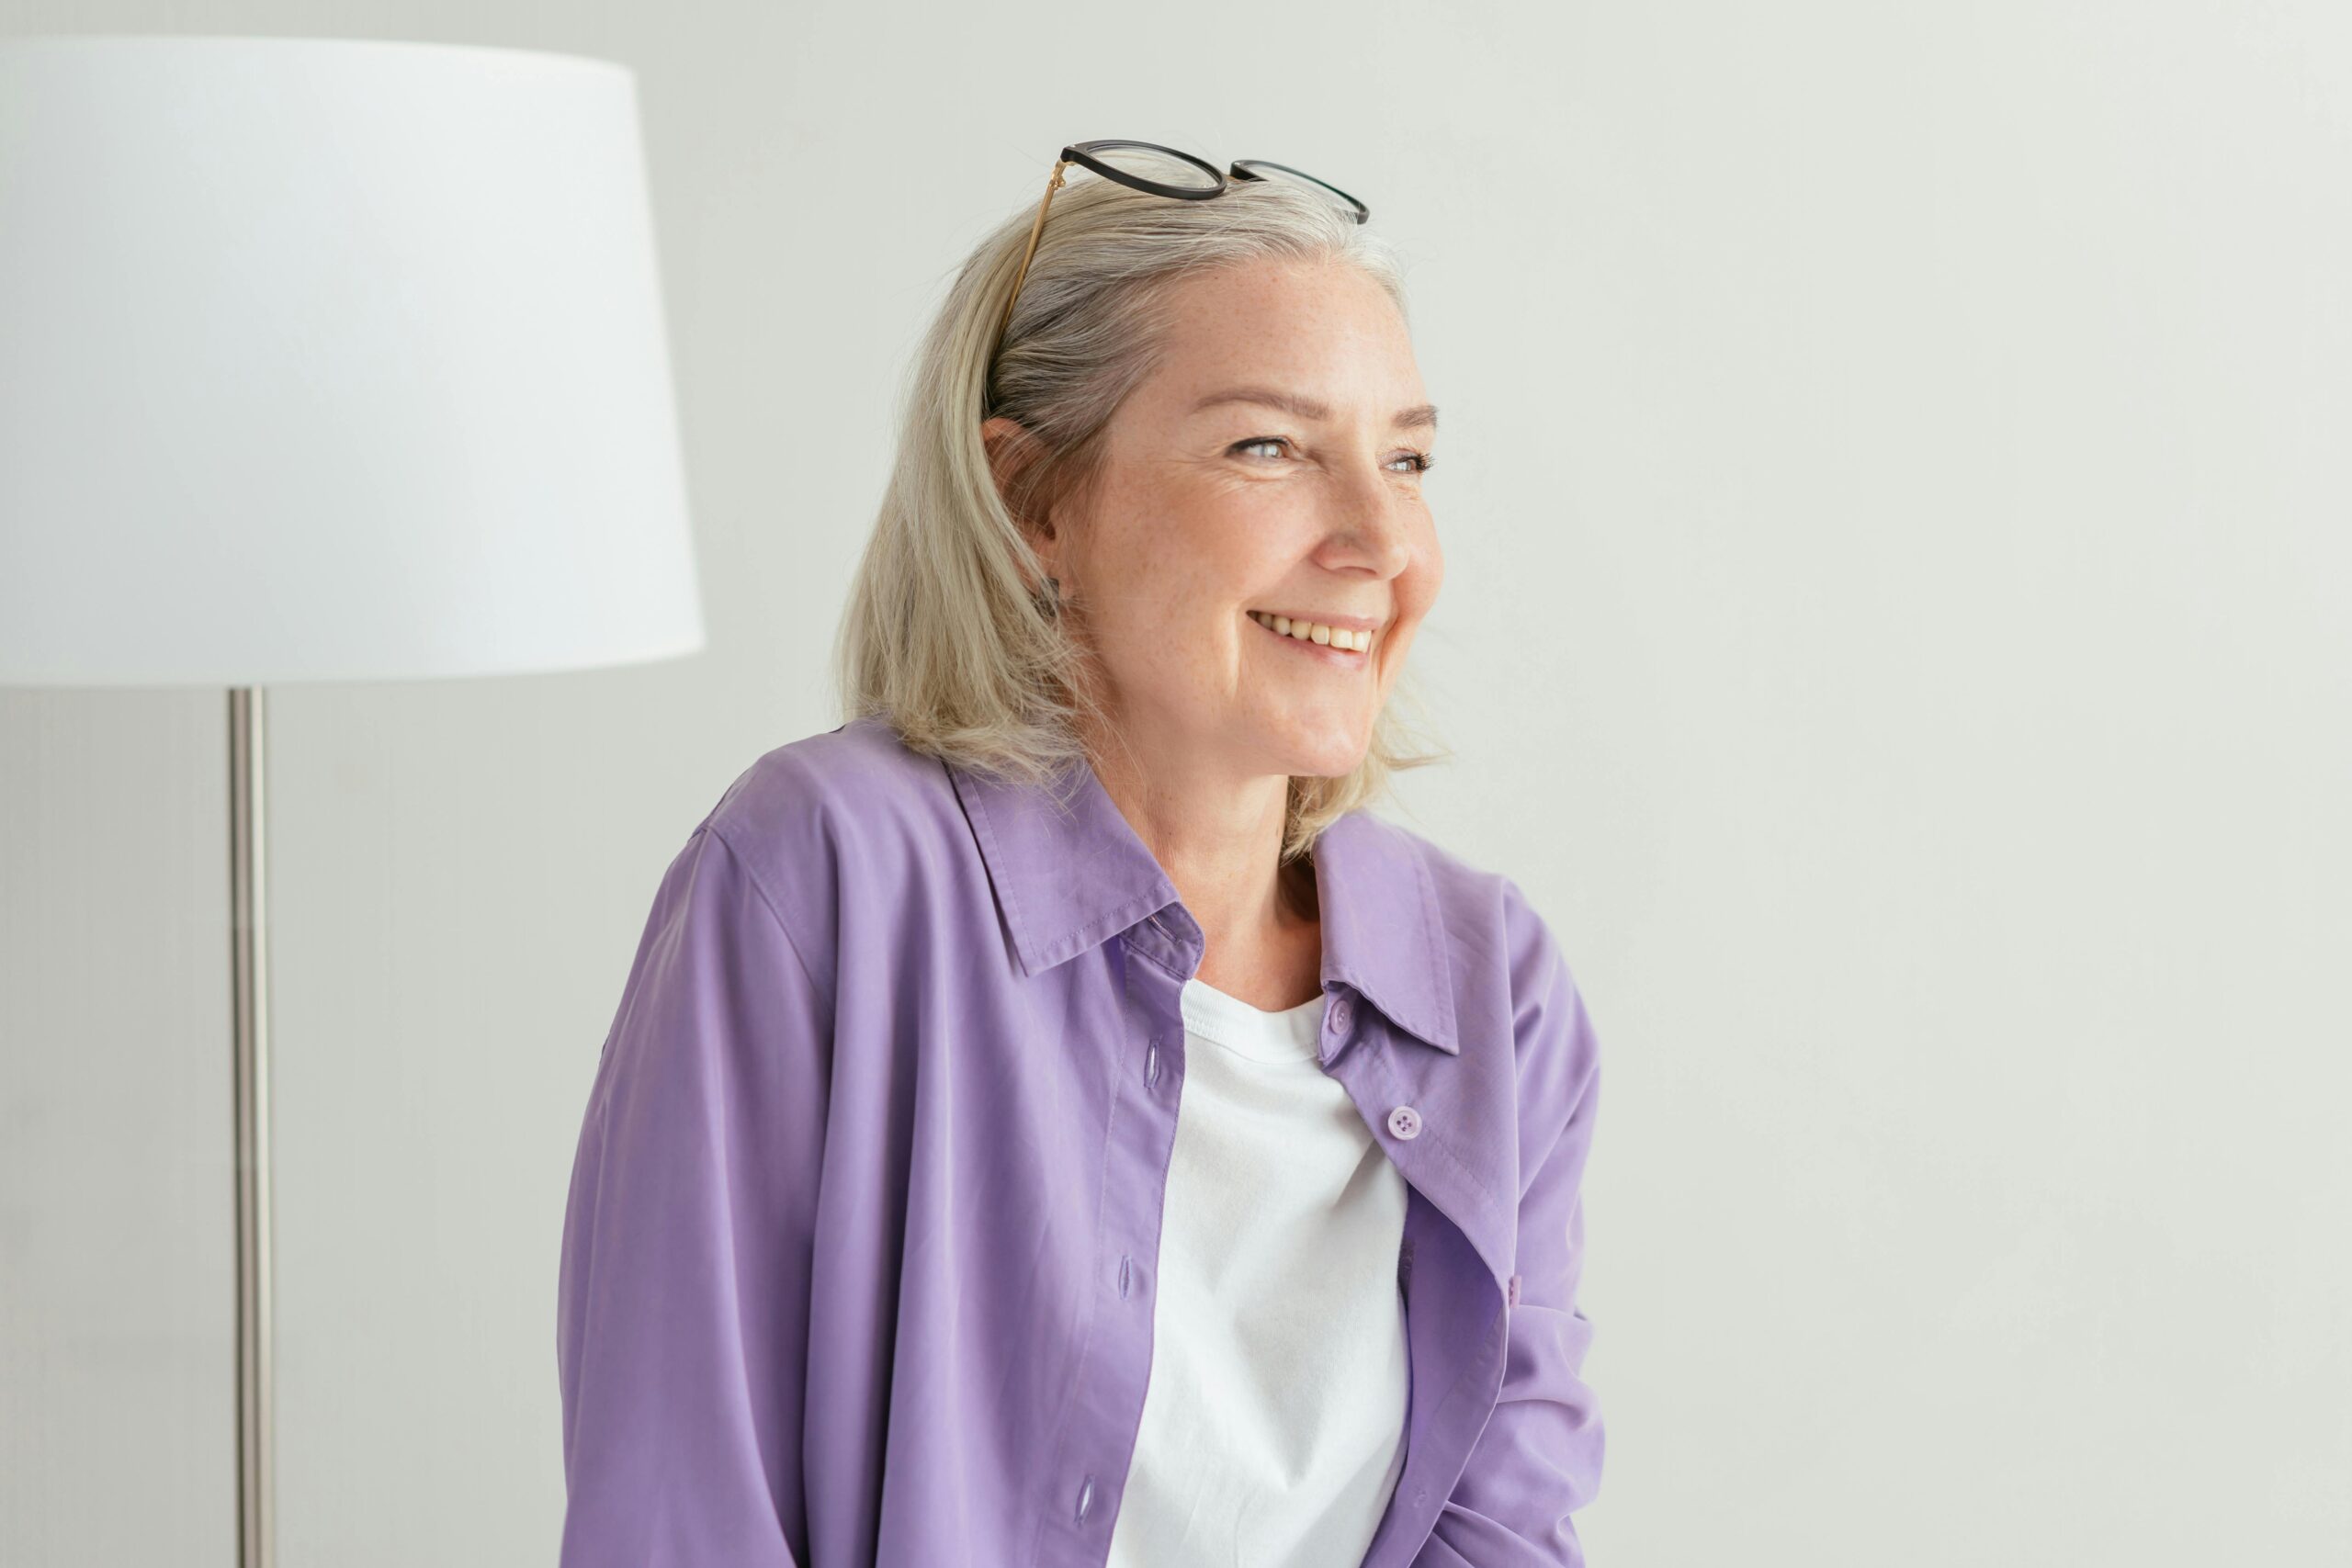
<point x="1348" y="650"/>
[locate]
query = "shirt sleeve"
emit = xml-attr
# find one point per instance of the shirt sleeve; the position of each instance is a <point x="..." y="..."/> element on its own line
<point x="1539" y="1457"/>
<point x="683" y="1300"/>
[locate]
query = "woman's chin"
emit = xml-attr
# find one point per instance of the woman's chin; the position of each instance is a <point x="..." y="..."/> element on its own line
<point x="1323" y="754"/>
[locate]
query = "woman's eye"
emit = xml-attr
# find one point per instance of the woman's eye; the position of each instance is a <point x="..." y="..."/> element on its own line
<point x="1421" y="461"/>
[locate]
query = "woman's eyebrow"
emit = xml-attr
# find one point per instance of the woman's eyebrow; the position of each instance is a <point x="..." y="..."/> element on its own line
<point x="1420" y="417"/>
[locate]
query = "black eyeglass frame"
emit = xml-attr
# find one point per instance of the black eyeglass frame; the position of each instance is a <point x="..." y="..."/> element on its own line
<point x="1084" y="153"/>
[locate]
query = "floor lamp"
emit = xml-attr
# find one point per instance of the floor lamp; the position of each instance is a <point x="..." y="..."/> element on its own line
<point x="324" y="360"/>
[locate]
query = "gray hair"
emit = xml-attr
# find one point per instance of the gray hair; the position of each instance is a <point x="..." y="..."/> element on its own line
<point x="951" y="631"/>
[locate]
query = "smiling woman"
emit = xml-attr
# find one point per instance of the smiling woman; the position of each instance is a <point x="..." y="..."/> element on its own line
<point x="1050" y="1119"/>
<point x="1321" y="518"/>
<point x="1254" y="347"/>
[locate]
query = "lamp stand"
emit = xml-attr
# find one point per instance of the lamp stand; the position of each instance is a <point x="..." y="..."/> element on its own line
<point x="249" y="962"/>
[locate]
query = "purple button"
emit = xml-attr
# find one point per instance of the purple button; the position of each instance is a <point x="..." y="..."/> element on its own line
<point x="1405" y="1122"/>
<point x="1340" y="1012"/>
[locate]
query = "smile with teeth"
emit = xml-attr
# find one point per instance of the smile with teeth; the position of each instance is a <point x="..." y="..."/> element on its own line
<point x="1314" y="631"/>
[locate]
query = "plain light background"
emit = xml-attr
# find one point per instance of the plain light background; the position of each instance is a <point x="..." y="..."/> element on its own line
<point x="1893" y="492"/>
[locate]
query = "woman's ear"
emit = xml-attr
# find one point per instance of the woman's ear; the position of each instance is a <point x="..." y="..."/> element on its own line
<point x="1011" y="450"/>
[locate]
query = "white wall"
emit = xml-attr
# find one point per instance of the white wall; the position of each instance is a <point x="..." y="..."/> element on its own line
<point x="1894" y="494"/>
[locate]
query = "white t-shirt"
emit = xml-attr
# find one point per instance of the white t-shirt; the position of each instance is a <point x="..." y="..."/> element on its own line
<point x="1274" y="1419"/>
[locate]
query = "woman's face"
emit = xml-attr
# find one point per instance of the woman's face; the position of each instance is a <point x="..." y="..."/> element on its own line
<point x="1270" y="466"/>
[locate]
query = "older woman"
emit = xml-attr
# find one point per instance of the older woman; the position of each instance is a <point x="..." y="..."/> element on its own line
<point x="1050" y="1120"/>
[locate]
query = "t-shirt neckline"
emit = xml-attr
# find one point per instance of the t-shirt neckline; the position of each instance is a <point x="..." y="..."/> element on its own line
<point x="1288" y="1036"/>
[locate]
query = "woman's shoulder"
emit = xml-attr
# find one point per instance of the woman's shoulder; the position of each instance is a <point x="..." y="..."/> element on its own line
<point x="1482" y="907"/>
<point x="854" y="777"/>
<point x="1507" y="961"/>
<point x="851" y="803"/>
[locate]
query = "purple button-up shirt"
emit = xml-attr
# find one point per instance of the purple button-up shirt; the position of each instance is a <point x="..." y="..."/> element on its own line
<point x="860" y="1254"/>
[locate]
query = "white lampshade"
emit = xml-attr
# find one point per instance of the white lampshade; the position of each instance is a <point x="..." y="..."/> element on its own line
<point x="329" y="360"/>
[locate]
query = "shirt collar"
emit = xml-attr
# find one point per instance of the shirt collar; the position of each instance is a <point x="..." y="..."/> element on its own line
<point x="1070" y="872"/>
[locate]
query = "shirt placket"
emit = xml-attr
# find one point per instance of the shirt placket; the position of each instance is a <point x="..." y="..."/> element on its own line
<point x="1456" y="1316"/>
<point x="1105" y="1410"/>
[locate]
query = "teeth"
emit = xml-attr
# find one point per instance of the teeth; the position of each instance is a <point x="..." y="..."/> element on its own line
<point x="1314" y="631"/>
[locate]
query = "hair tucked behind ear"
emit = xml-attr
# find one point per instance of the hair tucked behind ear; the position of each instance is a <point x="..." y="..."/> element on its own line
<point x="950" y="631"/>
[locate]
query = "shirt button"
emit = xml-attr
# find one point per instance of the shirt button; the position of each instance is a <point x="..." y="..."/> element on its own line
<point x="1339" y="1014"/>
<point x="1405" y="1122"/>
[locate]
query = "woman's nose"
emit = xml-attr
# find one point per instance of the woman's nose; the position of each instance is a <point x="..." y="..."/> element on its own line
<point x="1370" y="519"/>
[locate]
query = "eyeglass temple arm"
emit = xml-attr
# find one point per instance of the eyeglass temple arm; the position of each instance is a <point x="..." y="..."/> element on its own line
<point x="1035" y="228"/>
